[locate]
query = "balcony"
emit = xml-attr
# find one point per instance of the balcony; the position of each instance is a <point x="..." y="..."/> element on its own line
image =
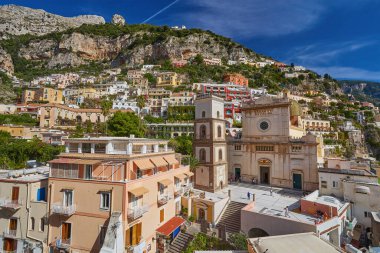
<point x="10" y="233"/>
<point x="178" y="192"/>
<point x="187" y="187"/>
<point x="10" y="204"/>
<point x="350" y="225"/>
<point x="163" y="199"/>
<point x="61" y="209"/>
<point x="63" y="243"/>
<point x="137" y="212"/>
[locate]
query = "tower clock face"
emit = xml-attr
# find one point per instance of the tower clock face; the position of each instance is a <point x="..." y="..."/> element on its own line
<point x="264" y="125"/>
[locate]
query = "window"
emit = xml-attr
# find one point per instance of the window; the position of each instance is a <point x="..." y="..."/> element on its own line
<point x="367" y="214"/>
<point x="219" y="131"/>
<point x="88" y="172"/>
<point x="202" y="132"/>
<point x="68" y="198"/>
<point x="202" y="155"/>
<point x="264" y="125"/>
<point x="296" y="148"/>
<point x="264" y="148"/>
<point x="42" y="225"/>
<point x="162" y="215"/>
<point x="237" y="147"/>
<point x="41" y="194"/>
<point x="32" y="223"/>
<point x="133" y="235"/>
<point x="203" y="114"/>
<point x="105" y="199"/>
<point x="220" y="154"/>
<point x="324" y="184"/>
<point x="102" y="234"/>
<point x="335" y="184"/>
<point x="218" y="114"/>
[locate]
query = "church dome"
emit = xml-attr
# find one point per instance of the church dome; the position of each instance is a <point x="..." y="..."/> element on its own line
<point x="295" y="109"/>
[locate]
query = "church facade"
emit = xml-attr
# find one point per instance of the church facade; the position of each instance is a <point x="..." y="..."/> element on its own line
<point x="273" y="147"/>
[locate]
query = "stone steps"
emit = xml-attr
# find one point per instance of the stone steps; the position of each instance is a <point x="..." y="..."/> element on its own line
<point x="180" y="243"/>
<point x="231" y="217"/>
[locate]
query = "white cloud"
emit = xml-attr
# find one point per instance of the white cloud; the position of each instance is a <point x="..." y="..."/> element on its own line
<point x="246" y="18"/>
<point x="325" y="52"/>
<point x="341" y="72"/>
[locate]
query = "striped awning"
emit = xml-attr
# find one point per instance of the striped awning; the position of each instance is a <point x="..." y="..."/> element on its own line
<point x="159" y="161"/>
<point x="139" y="191"/>
<point x="171" y="160"/>
<point x="144" y="164"/>
<point x="165" y="182"/>
<point x="189" y="174"/>
<point x="180" y="176"/>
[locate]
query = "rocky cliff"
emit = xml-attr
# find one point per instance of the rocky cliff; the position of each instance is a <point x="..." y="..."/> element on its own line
<point x="115" y="45"/>
<point x="18" y="20"/>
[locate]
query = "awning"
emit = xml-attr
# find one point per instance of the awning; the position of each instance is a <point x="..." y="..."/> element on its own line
<point x="189" y="174"/>
<point x="144" y="164"/>
<point x="165" y="182"/>
<point x="170" y="226"/>
<point x="159" y="161"/>
<point x="171" y="160"/>
<point x="75" y="161"/>
<point x="180" y="176"/>
<point x="362" y="189"/>
<point x="139" y="191"/>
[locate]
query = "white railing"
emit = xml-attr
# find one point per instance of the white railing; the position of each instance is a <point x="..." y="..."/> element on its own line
<point x="163" y="198"/>
<point x="10" y="233"/>
<point x="330" y="223"/>
<point x="350" y="225"/>
<point x="59" y="208"/>
<point x="178" y="191"/>
<point x="63" y="243"/>
<point x="13" y="204"/>
<point x="188" y="187"/>
<point x="137" y="212"/>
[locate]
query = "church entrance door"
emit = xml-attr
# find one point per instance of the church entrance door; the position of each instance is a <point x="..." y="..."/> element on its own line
<point x="264" y="175"/>
<point x="297" y="181"/>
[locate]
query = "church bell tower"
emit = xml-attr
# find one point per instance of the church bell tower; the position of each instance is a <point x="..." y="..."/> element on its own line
<point x="209" y="144"/>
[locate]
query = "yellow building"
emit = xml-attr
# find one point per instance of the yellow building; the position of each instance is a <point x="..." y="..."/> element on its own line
<point x="168" y="79"/>
<point x="48" y="95"/>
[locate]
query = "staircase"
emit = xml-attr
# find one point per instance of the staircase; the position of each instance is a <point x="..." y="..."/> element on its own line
<point x="231" y="217"/>
<point x="180" y="243"/>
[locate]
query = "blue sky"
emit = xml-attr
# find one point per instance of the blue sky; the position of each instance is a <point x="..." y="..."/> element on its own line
<point x="339" y="37"/>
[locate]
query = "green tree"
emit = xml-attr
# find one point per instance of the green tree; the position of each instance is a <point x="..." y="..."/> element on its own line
<point x="78" y="133"/>
<point x="106" y="106"/>
<point x="125" y="124"/>
<point x="198" y="59"/>
<point x="238" y="241"/>
<point x="140" y="102"/>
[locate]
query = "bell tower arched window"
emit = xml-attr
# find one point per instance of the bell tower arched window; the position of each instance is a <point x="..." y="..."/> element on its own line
<point x="220" y="154"/>
<point x="219" y="131"/>
<point x="202" y="155"/>
<point x="202" y="132"/>
<point x="218" y="114"/>
<point x="203" y="114"/>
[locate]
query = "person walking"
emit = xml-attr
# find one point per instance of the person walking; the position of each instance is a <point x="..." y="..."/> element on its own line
<point x="286" y="211"/>
<point x="271" y="191"/>
<point x="248" y="195"/>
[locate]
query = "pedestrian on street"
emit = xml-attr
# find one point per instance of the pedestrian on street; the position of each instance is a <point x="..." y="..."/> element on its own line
<point x="286" y="211"/>
<point x="248" y="195"/>
<point x="271" y="191"/>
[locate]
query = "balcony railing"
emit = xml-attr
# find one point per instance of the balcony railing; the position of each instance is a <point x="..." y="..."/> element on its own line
<point x="10" y="233"/>
<point x="9" y="251"/>
<point x="63" y="243"/>
<point x="11" y="204"/>
<point x="163" y="199"/>
<point x="178" y="192"/>
<point x="59" y="208"/>
<point x="187" y="187"/>
<point x="137" y="212"/>
<point x="350" y="225"/>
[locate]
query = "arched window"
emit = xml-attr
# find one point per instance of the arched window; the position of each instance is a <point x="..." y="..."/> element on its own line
<point x="219" y="131"/>
<point x="220" y="154"/>
<point x="203" y="114"/>
<point x="31" y="223"/>
<point x="202" y="155"/>
<point x="202" y="132"/>
<point x="218" y="114"/>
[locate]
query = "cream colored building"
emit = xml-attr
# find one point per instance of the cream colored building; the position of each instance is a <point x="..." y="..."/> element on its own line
<point x="115" y="194"/>
<point x="168" y="79"/>
<point x="48" y="95"/>
<point x="273" y="148"/>
<point x="23" y="211"/>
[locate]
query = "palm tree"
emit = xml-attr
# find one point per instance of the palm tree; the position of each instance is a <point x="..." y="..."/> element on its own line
<point x="106" y="106"/>
<point x="140" y="102"/>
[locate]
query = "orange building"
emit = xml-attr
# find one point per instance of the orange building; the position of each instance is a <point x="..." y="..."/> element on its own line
<point x="115" y="194"/>
<point x="237" y="79"/>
